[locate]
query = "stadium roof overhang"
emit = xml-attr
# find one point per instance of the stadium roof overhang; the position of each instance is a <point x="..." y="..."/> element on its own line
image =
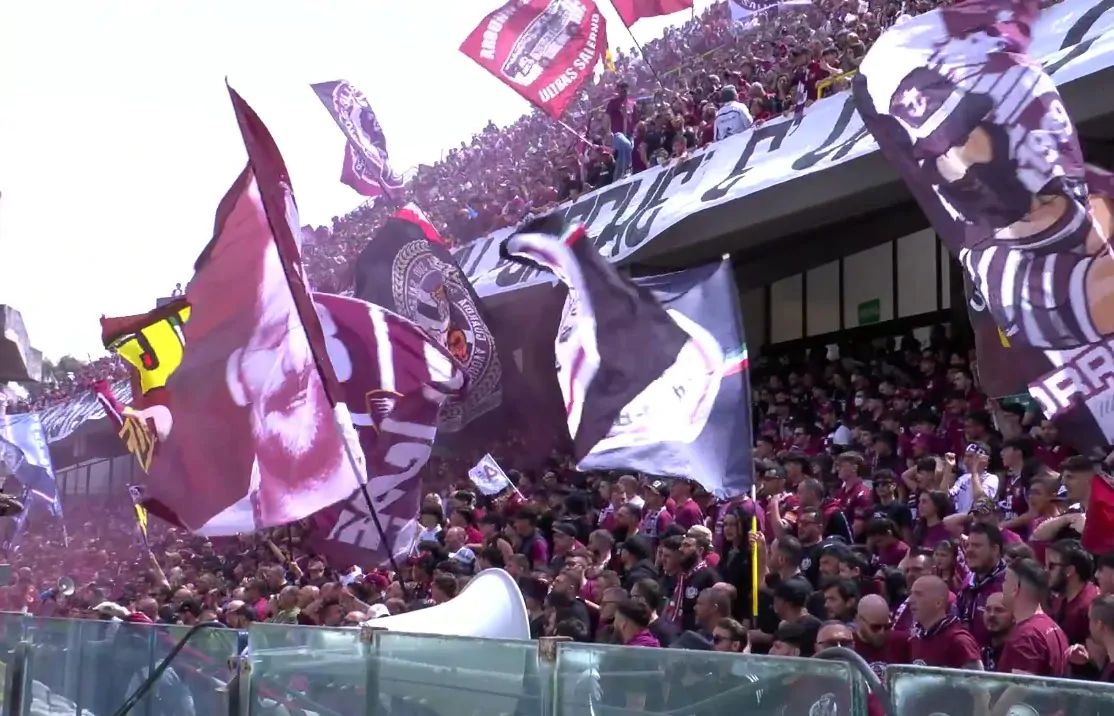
<point x="820" y="217"/>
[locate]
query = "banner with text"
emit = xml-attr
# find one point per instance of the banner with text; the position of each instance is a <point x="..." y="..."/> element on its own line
<point x="542" y="49"/>
<point x="624" y="217"/>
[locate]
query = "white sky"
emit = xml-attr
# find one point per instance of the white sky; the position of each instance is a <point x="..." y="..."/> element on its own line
<point x="117" y="138"/>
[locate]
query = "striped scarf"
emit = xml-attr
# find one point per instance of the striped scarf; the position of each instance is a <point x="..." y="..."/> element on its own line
<point x="673" y="609"/>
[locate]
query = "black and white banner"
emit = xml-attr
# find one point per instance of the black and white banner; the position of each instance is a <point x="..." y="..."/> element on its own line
<point x="622" y="218"/>
<point x="614" y="339"/>
<point x="488" y="477"/>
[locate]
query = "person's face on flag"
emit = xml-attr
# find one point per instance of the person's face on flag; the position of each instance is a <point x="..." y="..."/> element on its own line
<point x="272" y="376"/>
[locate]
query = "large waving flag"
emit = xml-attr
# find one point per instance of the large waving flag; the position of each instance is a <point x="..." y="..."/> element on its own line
<point x="694" y="421"/>
<point x="25" y="455"/>
<point x="367" y="167"/>
<point x="614" y="339"/>
<point x="542" y="49"/>
<point x="407" y="269"/>
<point x="981" y="137"/>
<point x="394" y="379"/>
<point x="248" y="429"/>
<point x="632" y="11"/>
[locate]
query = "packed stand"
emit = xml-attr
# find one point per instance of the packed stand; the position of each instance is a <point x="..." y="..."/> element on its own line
<point x="784" y="60"/>
<point x="900" y="514"/>
<point x="62" y="386"/>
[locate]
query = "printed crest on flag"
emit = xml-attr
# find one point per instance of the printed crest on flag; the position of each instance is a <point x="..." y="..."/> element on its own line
<point x="488" y="476"/>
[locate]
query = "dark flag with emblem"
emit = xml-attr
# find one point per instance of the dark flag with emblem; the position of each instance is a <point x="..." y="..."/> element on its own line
<point x="407" y="269"/>
<point x="694" y="421"/>
<point x="393" y="379"/>
<point x="981" y="136"/>
<point x="248" y="431"/>
<point x="614" y="340"/>
<point x="367" y="167"/>
<point x="25" y="456"/>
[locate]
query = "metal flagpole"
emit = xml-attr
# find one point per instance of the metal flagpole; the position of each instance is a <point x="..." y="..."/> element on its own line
<point x="641" y="51"/>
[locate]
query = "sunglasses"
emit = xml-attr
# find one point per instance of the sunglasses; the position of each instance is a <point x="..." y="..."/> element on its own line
<point x="831" y="643"/>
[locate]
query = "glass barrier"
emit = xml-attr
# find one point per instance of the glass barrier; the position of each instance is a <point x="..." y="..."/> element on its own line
<point x="451" y="675"/>
<point x="924" y="691"/>
<point x="307" y="668"/>
<point x="11" y="633"/>
<point x="615" y="680"/>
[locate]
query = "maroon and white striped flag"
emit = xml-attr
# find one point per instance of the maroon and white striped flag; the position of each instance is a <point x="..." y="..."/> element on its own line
<point x="367" y="167"/>
<point x="394" y="379"/>
<point x="980" y="134"/>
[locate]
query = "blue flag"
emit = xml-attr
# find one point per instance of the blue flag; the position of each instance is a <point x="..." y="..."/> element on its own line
<point x="694" y="421"/>
<point x="24" y="452"/>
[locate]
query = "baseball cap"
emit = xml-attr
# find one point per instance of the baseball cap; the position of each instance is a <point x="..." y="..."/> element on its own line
<point x="565" y="528"/>
<point x="659" y="487"/>
<point x="637" y="547"/>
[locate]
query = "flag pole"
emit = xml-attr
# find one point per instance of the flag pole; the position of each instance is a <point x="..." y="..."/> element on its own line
<point x="361" y="478"/>
<point x="754" y="552"/>
<point x="637" y="44"/>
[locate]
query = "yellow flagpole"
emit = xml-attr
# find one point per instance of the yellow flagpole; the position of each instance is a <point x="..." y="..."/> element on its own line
<point x="754" y="552"/>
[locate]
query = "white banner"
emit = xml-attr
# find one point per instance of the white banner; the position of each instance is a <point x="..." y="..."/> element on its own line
<point x="623" y="217"/>
<point x="488" y="476"/>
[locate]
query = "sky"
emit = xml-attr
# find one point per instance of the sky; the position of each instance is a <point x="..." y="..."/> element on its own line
<point x="117" y="138"/>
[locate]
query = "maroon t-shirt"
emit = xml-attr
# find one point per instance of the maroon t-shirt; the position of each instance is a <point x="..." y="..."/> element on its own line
<point x="856" y="501"/>
<point x="689" y="515"/>
<point x="892" y="555"/>
<point x="621" y="113"/>
<point x="950" y="647"/>
<point x="1035" y="646"/>
<point x="894" y="651"/>
<point x="1073" y="616"/>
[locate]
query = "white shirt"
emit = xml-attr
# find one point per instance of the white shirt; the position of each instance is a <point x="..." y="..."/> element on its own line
<point x="841" y="435"/>
<point x="732" y="118"/>
<point x="963" y="492"/>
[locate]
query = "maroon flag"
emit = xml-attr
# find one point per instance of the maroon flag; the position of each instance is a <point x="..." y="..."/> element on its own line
<point x="394" y="378"/>
<point x="367" y="168"/>
<point x="981" y="136"/>
<point x="633" y="10"/>
<point x="542" y="49"/>
<point x="253" y="440"/>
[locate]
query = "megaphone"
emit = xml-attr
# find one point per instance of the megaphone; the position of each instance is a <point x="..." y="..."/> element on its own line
<point x="416" y="665"/>
<point x="66" y="586"/>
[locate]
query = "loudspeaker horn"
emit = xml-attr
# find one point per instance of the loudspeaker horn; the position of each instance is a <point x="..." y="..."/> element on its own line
<point x="66" y="586"/>
<point x="491" y="606"/>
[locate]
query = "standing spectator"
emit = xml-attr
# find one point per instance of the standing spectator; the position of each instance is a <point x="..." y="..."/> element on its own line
<point x="733" y="117"/>
<point x="620" y="120"/>
<point x="1036" y="645"/>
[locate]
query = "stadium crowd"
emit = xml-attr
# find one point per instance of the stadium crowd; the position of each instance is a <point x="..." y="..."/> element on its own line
<point x="532" y="165"/>
<point x="900" y="513"/>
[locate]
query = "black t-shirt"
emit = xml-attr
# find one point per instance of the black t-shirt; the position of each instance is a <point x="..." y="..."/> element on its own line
<point x="810" y="562"/>
<point x="901" y="515"/>
<point x="665" y="631"/>
<point x="702" y="579"/>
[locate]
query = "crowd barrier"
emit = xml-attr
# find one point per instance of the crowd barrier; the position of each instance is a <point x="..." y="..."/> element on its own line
<point x="56" y="666"/>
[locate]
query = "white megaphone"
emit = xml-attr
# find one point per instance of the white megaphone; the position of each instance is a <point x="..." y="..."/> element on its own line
<point x="430" y="656"/>
<point x="490" y="607"/>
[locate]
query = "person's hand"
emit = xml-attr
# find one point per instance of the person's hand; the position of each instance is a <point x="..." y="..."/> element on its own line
<point x="1078" y="655"/>
<point x="949" y="459"/>
<point x="757" y="538"/>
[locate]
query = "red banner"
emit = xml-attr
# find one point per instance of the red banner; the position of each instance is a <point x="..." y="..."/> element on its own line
<point x="633" y="10"/>
<point x="252" y="439"/>
<point x="542" y="49"/>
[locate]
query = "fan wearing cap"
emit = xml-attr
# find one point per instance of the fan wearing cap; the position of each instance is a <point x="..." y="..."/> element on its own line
<point x="656" y="517"/>
<point x="975" y="482"/>
<point x="564" y="542"/>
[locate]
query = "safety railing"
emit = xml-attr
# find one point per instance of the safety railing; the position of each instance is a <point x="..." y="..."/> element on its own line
<point x="63" y="667"/>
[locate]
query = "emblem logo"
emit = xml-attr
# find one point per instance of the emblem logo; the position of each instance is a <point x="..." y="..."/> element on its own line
<point x="435" y="297"/>
<point x="380" y="404"/>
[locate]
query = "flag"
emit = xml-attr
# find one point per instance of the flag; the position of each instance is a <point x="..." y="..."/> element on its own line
<point x="614" y="338"/>
<point x="1003" y="369"/>
<point x="393" y="380"/>
<point x="488" y="477"/>
<point x="1098" y="530"/>
<point x="632" y="11"/>
<point x="542" y="49"/>
<point x="140" y="514"/>
<point x="407" y="269"/>
<point x="980" y="135"/>
<point x="694" y="421"/>
<point x="608" y="60"/>
<point x="367" y="166"/>
<point x="24" y="452"/>
<point x="246" y="430"/>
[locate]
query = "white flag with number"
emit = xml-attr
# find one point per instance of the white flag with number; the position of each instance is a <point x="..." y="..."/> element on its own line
<point x="488" y="476"/>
